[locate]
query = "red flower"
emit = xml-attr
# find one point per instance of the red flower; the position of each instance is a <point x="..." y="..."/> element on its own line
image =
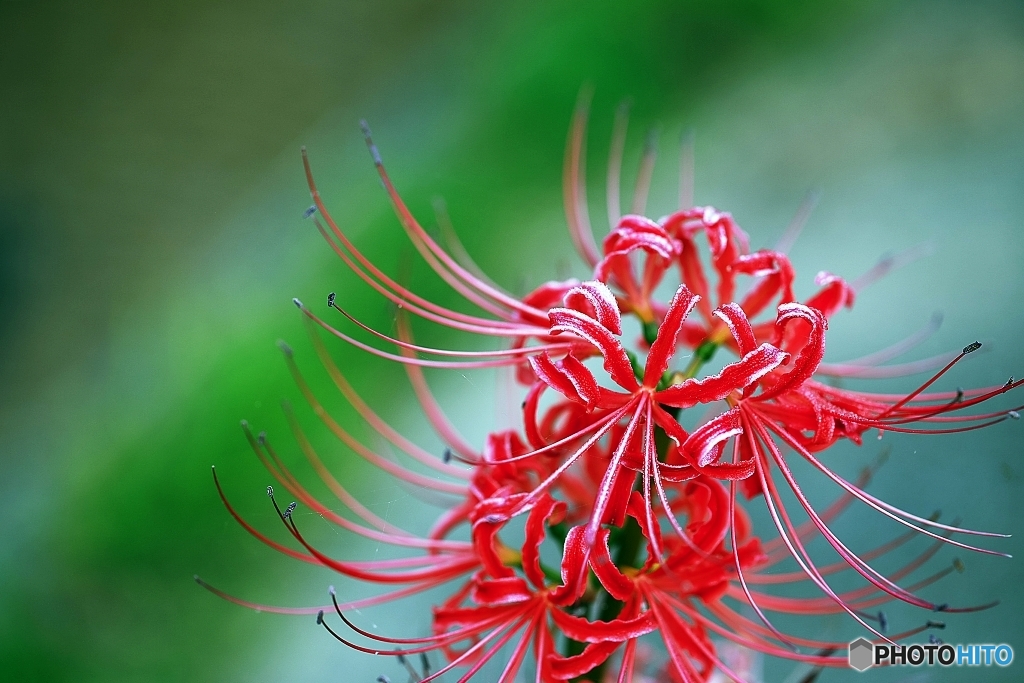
<point x="603" y="466"/>
<point x="643" y="403"/>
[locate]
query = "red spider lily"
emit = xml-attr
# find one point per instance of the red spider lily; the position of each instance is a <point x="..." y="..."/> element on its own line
<point x="641" y="404"/>
<point x="499" y="603"/>
<point x="604" y="467"/>
<point x="755" y="412"/>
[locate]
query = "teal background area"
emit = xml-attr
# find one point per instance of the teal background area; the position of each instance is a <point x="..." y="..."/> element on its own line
<point x="151" y="240"/>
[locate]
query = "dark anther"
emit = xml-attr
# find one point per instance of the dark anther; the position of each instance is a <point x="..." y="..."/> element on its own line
<point x="270" y="491"/>
<point x="942" y="608"/>
<point x="330" y="300"/>
<point x="261" y="438"/>
<point x="383" y="679"/>
<point x="413" y="673"/>
<point x="936" y="624"/>
<point x="285" y="349"/>
<point x="1009" y="382"/>
<point x="883" y="622"/>
<point x="933" y="640"/>
<point x="958" y="565"/>
<point x="426" y="664"/>
<point x="330" y="589"/>
<point x="446" y="457"/>
<point x="309" y="212"/>
<point x="971" y="348"/>
<point x="523" y="405"/>
<point x="320" y="617"/>
<point x="290" y="509"/>
<point x="297" y="303"/>
<point x="959" y="395"/>
<point x="1014" y="414"/>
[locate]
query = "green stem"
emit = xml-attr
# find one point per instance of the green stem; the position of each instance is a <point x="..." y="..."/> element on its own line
<point x="701" y="355"/>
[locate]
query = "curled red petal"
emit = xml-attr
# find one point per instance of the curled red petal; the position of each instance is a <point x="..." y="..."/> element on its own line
<point x="595" y="296"/>
<point x="706" y="442"/>
<point x="547" y="511"/>
<point x="739" y="325"/>
<point x="618" y="585"/>
<point x="677" y="473"/>
<point x="835" y="293"/>
<point x="504" y="591"/>
<point x="616" y="630"/>
<point x="674" y="472"/>
<point x="550" y="293"/>
<point x="810" y="355"/>
<point x="728" y="471"/>
<point x="575" y="557"/>
<point x="569" y="377"/>
<point x="743" y="373"/>
<point x="489" y="516"/>
<point x="616" y="362"/>
<point x="776" y="273"/>
<point x="567" y="668"/>
<point x="664" y="345"/>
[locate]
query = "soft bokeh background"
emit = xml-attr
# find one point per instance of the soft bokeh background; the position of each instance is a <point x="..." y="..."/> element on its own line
<point x="151" y="239"/>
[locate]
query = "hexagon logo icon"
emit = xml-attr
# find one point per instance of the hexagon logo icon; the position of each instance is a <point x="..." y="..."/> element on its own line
<point x="862" y="654"/>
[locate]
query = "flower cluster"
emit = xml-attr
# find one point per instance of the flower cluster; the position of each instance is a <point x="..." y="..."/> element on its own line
<point x="601" y="519"/>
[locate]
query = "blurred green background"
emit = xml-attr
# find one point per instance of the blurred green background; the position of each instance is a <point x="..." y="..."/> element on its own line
<point x="151" y="239"/>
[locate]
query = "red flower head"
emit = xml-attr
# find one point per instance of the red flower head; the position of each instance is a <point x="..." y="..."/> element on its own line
<point x="644" y="515"/>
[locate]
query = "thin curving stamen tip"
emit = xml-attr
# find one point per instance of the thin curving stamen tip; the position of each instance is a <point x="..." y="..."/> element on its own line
<point x="971" y="348"/>
<point x="270" y="491"/>
<point x="368" y="136"/>
<point x="331" y="591"/>
<point x="330" y="299"/>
